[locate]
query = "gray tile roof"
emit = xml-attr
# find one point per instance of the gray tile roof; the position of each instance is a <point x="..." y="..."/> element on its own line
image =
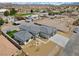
<point x="47" y="30"/>
<point x="43" y="35"/>
<point x="22" y="36"/>
<point x="33" y="29"/>
<point x="24" y="27"/>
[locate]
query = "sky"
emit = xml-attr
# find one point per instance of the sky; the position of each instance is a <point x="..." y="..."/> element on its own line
<point x="51" y="3"/>
<point x="38" y="0"/>
<point x="54" y="2"/>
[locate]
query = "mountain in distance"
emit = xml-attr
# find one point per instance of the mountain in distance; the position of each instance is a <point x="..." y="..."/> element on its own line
<point x="71" y="3"/>
<point x="37" y="3"/>
<point x="46" y="3"/>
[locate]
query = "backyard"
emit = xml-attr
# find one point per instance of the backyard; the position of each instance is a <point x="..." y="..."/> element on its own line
<point x="39" y="48"/>
<point x="10" y="33"/>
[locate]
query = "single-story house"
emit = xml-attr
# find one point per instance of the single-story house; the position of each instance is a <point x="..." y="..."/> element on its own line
<point x="2" y="11"/>
<point x="36" y="30"/>
<point x="29" y="20"/>
<point x="43" y="14"/>
<point x="35" y="17"/>
<point x="32" y="17"/>
<point x="10" y="19"/>
<point x="22" y="37"/>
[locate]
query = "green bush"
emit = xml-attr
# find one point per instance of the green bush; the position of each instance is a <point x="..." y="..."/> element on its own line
<point x="1" y="21"/>
<point x="36" y="10"/>
<point x="23" y="14"/>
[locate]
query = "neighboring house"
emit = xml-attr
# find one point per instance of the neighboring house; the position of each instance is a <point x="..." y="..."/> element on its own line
<point x="2" y="11"/>
<point x="17" y="22"/>
<point x="35" y="17"/>
<point x="32" y="18"/>
<point x="22" y="37"/>
<point x="47" y="32"/>
<point x="43" y="14"/>
<point x="29" y="19"/>
<point x="10" y="19"/>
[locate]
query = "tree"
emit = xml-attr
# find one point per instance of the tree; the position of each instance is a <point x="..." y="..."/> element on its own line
<point x="6" y="21"/>
<point x="50" y="13"/>
<point x="36" y="10"/>
<point x="44" y="11"/>
<point x="31" y="11"/>
<point x="6" y="13"/>
<point x="1" y="21"/>
<point x="12" y="11"/>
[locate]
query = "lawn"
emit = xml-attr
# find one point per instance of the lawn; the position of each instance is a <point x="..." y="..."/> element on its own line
<point x="11" y="33"/>
<point x="27" y="14"/>
<point x="56" y="12"/>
